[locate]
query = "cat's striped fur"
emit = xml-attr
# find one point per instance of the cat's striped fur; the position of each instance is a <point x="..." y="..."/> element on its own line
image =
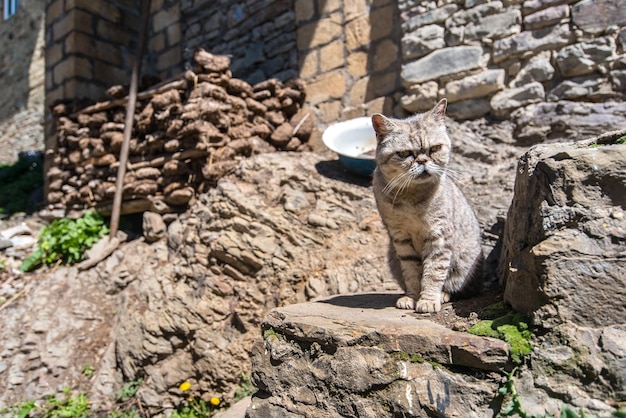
<point x="435" y="250"/>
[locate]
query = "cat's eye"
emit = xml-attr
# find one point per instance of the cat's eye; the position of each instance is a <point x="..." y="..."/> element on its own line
<point x="404" y="154"/>
<point x="435" y="148"/>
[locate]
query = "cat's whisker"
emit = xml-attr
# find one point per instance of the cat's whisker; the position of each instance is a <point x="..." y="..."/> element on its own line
<point x="455" y="175"/>
<point x="394" y="182"/>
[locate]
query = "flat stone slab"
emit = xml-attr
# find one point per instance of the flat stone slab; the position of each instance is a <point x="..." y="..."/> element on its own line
<point x="371" y="320"/>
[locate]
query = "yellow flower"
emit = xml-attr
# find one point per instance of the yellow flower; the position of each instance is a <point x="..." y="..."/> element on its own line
<point x="215" y="401"/>
<point x="185" y="386"/>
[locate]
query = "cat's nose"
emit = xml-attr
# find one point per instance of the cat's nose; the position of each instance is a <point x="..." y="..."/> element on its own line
<point x="421" y="158"/>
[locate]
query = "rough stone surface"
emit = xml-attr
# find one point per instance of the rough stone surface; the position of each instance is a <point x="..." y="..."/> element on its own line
<point x="359" y="356"/>
<point x="506" y="101"/>
<point x="566" y="119"/>
<point x="594" y="16"/>
<point x="566" y="222"/>
<point x="479" y="85"/>
<point x="440" y="63"/>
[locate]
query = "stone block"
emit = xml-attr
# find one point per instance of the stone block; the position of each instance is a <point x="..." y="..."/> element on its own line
<point x="113" y="33"/>
<point x="595" y="16"/>
<point x="531" y="41"/>
<point x="565" y="223"/>
<point x="383" y="84"/>
<point x="353" y="9"/>
<point x="357" y="64"/>
<point x="331" y="85"/>
<point x="442" y="63"/>
<point x="385" y="55"/>
<point x="328" y="6"/>
<point x="420" y="97"/>
<point x="538" y="69"/>
<point x="494" y="26"/>
<point x="422" y="41"/>
<point x="164" y="18"/>
<point x="567" y="120"/>
<point x="547" y="17"/>
<point x="309" y="63"/>
<point x="358" y="91"/>
<point x="508" y="100"/>
<point x="469" y="109"/>
<point x="584" y="57"/>
<point x="532" y="6"/>
<point x="332" y="56"/>
<point x="475" y="86"/>
<point x="62" y="27"/>
<point x="318" y="33"/>
<point x="103" y="9"/>
<point x="382" y="21"/>
<point x="475" y="14"/>
<point x="304" y="9"/>
<point x="357" y="33"/>
<point x="330" y="111"/>
<point x="438" y="15"/>
<point x="590" y="88"/>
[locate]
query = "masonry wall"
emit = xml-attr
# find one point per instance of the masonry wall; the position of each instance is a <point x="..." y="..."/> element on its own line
<point x="533" y="63"/>
<point x="22" y="76"/>
<point x="554" y="68"/>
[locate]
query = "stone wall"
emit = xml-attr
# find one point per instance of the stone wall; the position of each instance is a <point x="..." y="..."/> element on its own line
<point x="89" y="47"/>
<point x="516" y="60"/>
<point x="22" y="88"/>
<point x="348" y="53"/>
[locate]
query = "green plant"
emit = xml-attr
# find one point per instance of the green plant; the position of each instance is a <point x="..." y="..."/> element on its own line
<point x="512" y="328"/>
<point x="194" y="408"/>
<point x="69" y="406"/>
<point x="88" y="370"/>
<point x="246" y="388"/>
<point x="66" y="240"/>
<point x="19" y="410"/>
<point x="129" y="390"/>
<point x="18" y="182"/>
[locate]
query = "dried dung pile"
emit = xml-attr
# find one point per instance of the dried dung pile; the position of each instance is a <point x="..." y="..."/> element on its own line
<point x="188" y="132"/>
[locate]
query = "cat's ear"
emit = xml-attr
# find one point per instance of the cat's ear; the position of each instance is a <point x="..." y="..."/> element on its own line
<point x="439" y="111"/>
<point x="381" y="125"/>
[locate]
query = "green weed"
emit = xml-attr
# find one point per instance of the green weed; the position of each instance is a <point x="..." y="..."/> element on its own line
<point x="129" y="390"/>
<point x="66" y="240"/>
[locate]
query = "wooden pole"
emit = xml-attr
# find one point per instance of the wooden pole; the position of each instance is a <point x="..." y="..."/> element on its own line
<point x="130" y="115"/>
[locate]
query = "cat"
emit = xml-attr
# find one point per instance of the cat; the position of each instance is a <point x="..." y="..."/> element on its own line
<point x="435" y="250"/>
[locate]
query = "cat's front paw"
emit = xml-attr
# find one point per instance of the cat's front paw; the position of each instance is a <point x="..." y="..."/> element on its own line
<point x="405" y="302"/>
<point x="425" y="306"/>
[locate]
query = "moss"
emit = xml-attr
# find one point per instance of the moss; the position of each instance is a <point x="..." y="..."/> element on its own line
<point x="417" y="359"/>
<point x="512" y="328"/>
<point x="495" y="310"/>
<point x="621" y="140"/>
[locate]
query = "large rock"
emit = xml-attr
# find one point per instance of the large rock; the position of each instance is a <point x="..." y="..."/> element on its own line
<point x="359" y="356"/>
<point x="442" y="63"/>
<point x="567" y="120"/>
<point x="563" y="254"/>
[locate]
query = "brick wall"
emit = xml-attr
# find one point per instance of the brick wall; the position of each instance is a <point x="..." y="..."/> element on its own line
<point x="22" y="76"/>
<point x="90" y="46"/>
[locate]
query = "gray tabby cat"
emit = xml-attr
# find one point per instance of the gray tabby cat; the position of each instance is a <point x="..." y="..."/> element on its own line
<point x="435" y="249"/>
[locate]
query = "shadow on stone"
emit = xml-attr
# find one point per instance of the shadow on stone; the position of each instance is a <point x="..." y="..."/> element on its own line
<point x="364" y="300"/>
<point x="334" y="170"/>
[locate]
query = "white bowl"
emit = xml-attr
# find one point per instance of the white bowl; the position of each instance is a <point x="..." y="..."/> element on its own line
<point x="355" y="142"/>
